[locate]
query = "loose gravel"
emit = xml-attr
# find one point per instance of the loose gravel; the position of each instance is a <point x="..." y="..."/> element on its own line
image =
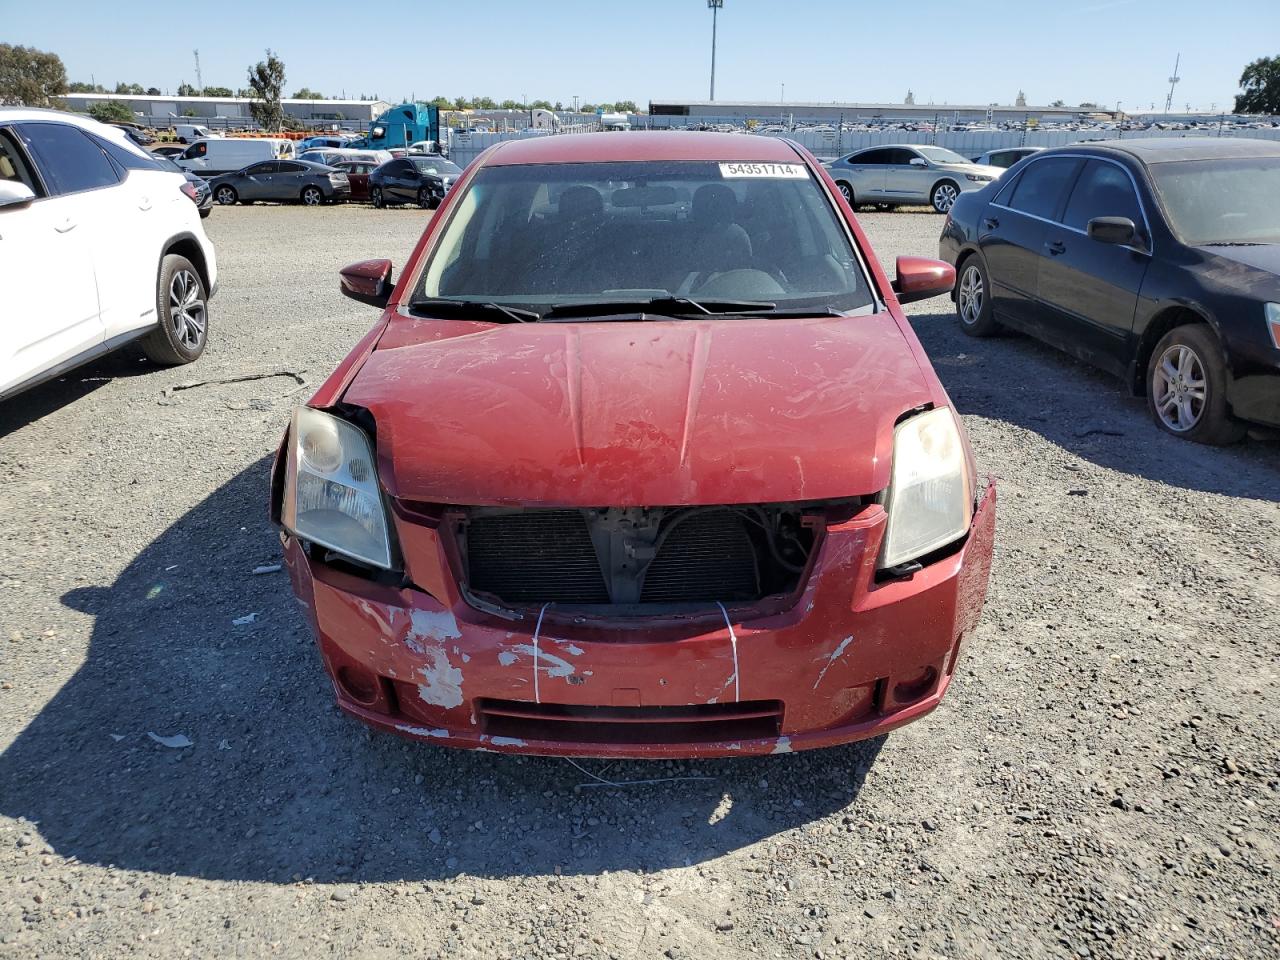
<point x="1102" y="781"/>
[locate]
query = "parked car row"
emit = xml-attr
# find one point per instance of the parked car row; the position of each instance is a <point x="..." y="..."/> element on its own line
<point x="898" y="174"/>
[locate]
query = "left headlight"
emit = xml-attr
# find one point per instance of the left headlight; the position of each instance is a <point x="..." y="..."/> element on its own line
<point x="930" y="501"/>
<point x="331" y="494"/>
<point x="978" y="177"/>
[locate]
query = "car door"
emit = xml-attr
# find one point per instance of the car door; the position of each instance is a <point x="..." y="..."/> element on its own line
<point x="196" y="158"/>
<point x="289" y="179"/>
<point x="1089" y="289"/>
<point x="254" y="182"/>
<point x="358" y="176"/>
<point x="403" y="181"/>
<point x="1011" y="235"/>
<point x="905" y="179"/>
<point x="47" y="274"/>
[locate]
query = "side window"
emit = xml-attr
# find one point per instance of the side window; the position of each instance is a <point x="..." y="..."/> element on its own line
<point x="871" y="157"/>
<point x="1042" y="184"/>
<point x="899" y="157"/>
<point x="195" y="151"/>
<point x="1005" y="160"/>
<point x="285" y="167"/>
<point x="1103" y="190"/>
<point x="14" y="165"/>
<point x="70" y="161"/>
<point x="125" y="158"/>
<point x="260" y="169"/>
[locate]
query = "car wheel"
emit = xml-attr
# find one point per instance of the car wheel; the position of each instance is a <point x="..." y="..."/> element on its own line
<point x="225" y="195"/>
<point x="846" y="191"/>
<point x="424" y="198"/>
<point x="1187" y="387"/>
<point x="312" y="196"/>
<point x="944" y="195"/>
<point x="973" y="299"/>
<point x="182" y="306"/>
<point x="376" y="196"/>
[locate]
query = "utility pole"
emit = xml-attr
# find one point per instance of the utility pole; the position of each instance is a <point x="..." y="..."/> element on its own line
<point x="715" y="6"/>
<point x="199" y="81"/>
<point x="1173" y="82"/>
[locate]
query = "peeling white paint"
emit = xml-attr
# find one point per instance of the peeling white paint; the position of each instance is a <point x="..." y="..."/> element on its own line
<point x="430" y="625"/>
<point x="507" y="658"/>
<point x="733" y="746"/>
<point x="385" y="623"/>
<point x="573" y="650"/>
<point x="421" y="731"/>
<point x="835" y="655"/>
<point x="442" y="684"/>
<point x="783" y="745"/>
<point x="555" y="666"/>
<point x="507" y="742"/>
<point x="466" y="658"/>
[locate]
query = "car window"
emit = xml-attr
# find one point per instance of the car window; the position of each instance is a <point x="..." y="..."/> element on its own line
<point x="260" y="169"/>
<point x="543" y="234"/>
<point x="1102" y="190"/>
<point x="195" y="150"/>
<point x="14" y="165"/>
<point x="1040" y="188"/>
<point x="285" y="167"/>
<point x="70" y="161"/>
<point x="1004" y="158"/>
<point x="435" y="166"/>
<point x="871" y="156"/>
<point x="128" y="159"/>
<point x="941" y="155"/>
<point x="1228" y="200"/>
<point x="900" y="157"/>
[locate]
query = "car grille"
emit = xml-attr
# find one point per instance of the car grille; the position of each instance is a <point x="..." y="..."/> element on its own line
<point x="535" y="557"/>
<point x="698" y="723"/>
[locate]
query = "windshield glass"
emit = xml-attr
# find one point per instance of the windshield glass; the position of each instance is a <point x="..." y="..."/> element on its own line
<point x="564" y="233"/>
<point x="941" y="155"/>
<point x="436" y="166"/>
<point x="1221" y="201"/>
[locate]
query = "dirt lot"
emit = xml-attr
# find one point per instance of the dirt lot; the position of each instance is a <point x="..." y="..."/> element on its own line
<point x="1103" y="780"/>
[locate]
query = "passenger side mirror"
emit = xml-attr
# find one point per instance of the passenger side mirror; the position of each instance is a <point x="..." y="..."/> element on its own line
<point x="1118" y="230"/>
<point x="14" y="194"/>
<point x="919" y="162"/>
<point x="920" y="278"/>
<point x="368" y="281"/>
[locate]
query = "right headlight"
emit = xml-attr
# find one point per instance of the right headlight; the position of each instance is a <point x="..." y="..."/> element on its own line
<point x="930" y="500"/>
<point x="331" y="494"/>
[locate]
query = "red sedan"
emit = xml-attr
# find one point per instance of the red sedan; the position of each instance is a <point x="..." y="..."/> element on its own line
<point x="641" y="459"/>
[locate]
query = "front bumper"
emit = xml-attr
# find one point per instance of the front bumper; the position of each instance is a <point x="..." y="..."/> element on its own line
<point x="851" y="659"/>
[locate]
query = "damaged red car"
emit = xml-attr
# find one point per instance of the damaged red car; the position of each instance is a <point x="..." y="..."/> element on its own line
<point x="641" y="459"/>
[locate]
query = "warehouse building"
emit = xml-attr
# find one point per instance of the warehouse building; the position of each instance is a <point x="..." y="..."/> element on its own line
<point x="160" y="110"/>
<point x="729" y="111"/>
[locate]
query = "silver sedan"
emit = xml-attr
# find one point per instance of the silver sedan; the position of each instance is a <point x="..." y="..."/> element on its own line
<point x="906" y="173"/>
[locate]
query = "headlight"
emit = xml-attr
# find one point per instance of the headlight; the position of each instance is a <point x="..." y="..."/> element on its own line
<point x="1273" y="321"/>
<point x="978" y="177"/>
<point x="930" y="502"/>
<point x="331" y="494"/>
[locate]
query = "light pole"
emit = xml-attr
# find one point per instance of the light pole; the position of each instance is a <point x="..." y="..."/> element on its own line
<point x="715" y="6"/>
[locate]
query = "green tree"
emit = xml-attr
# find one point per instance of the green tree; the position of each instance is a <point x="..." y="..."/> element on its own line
<point x="484" y="103"/>
<point x="558" y="106"/>
<point x="1261" y="85"/>
<point x="153" y="91"/>
<point x="440" y="103"/>
<point x="112" y="111"/>
<point x="461" y="103"/>
<point x="129" y="89"/>
<point x="625" y="106"/>
<point x="605" y="107"/>
<point x="1088" y="105"/>
<point x="587" y="108"/>
<point x="31" y="77"/>
<point x="306" y="93"/>
<point x="267" y="80"/>
<point x="79" y="87"/>
<point x="511" y="105"/>
<point x="1058" y="103"/>
<point x="540" y="105"/>
<point x="218" y="92"/>
<point x="187" y="90"/>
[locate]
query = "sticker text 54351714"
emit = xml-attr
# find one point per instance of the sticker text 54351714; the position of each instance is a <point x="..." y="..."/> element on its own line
<point x="771" y="171"/>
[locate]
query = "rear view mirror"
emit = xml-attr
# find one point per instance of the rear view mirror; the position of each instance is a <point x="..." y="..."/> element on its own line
<point x="14" y="194"/>
<point x="920" y="278"/>
<point x="1119" y="230"/>
<point x="368" y="281"/>
<point x="919" y="162"/>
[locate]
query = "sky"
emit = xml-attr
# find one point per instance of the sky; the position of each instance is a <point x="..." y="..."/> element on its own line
<point x="865" y="51"/>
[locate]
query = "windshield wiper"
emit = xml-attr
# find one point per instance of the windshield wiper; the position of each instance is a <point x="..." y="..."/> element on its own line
<point x="472" y="310"/>
<point x="1237" y="243"/>
<point x="679" y="307"/>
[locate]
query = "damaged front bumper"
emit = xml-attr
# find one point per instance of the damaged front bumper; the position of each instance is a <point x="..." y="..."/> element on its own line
<point x="851" y="659"/>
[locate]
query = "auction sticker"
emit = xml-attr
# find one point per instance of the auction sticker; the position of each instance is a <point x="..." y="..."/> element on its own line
<point x="769" y="171"/>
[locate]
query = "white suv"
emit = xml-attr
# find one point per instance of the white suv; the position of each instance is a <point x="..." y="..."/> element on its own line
<point x="99" y="245"/>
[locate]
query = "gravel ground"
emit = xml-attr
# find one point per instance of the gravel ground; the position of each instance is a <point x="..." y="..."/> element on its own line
<point x="1103" y="780"/>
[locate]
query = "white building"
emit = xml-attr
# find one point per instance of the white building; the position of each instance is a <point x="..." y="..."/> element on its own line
<point x="232" y="109"/>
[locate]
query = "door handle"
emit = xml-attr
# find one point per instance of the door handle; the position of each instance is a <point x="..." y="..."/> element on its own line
<point x="144" y="203"/>
<point x="66" y="225"/>
<point x="1057" y="247"/>
<point x="990" y="223"/>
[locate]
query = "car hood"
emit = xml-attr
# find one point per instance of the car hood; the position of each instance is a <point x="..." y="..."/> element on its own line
<point x="978" y="168"/>
<point x="1263" y="256"/>
<point x="639" y="414"/>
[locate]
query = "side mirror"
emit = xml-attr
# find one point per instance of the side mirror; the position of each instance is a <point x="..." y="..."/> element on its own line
<point x="14" y="194"/>
<point x="368" y="281"/>
<point x="919" y="162"/>
<point x="1118" y="230"/>
<point x="920" y="278"/>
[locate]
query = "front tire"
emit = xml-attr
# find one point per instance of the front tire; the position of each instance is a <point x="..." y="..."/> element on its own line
<point x="973" y="299"/>
<point x="943" y="196"/>
<point x="225" y="195"/>
<point x="424" y="198"/>
<point x="182" y="306"/>
<point x="375" y="195"/>
<point x="846" y="191"/>
<point x="312" y="196"/>
<point x="1187" y="387"/>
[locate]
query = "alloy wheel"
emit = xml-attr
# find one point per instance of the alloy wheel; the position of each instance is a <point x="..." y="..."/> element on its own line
<point x="944" y="196"/>
<point x="846" y="191"/>
<point x="969" y="299"/>
<point x="311" y="197"/>
<point x="187" y="311"/>
<point x="225" y="195"/>
<point x="1180" y="388"/>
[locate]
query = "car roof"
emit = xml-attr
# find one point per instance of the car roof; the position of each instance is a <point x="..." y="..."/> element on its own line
<point x="106" y="131"/>
<point x="1170" y="149"/>
<point x="642" y="145"/>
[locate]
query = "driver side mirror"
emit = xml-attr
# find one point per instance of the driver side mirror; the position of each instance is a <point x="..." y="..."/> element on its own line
<point x="1118" y="230"/>
<point x="920" y="278"/>
<point x="919" y="162"/>
<point x="368" y="281"/>
<point x="14" y="194"/>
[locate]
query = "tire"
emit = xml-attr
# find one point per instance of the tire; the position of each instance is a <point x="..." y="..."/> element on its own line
<point x="846" y="190"/>
<point x="312" y="196"/>
<point x="204" y="214"/>
<point x="424" y="198"/>
<point x="182" y="308"/>
<point x="225" y="195"/>
<point x="943" y="195"/>
<point x="1187" y="387"/>
<point x="375" y="196"/>
<point x="973" y="299"/>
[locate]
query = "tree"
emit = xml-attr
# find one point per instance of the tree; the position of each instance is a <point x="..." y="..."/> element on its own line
<point x="484" y="103"/>
<point x="1058" y="103"/>
<point x="112" y="111"/>
<point x="153" y="91"/>
<point x="587" y="108"/>
<point x="306" y="93"/>
<point x="218" y="92"/>
<point x="625" y="106"/>
<point x="1261" y="85"/>
<point x="267" y="81"/>
<point x="187" y="90"/>
<point x="31" y="77"/>
<point x="540" y="105"/>
<point x="129" y="89"/>
<point x="558" y="106"/>
<point x="440" y="103"/>
<point x="511" y="105"/>
<point x="1088" y="105"/>
<point x="79" y="87"/>
<point x="461" y="103"/>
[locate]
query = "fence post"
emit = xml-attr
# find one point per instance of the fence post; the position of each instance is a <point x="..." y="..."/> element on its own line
<point x="840" y="136"/>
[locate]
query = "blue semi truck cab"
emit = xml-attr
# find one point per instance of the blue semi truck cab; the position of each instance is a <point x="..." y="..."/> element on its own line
<point x="403" y="125"/>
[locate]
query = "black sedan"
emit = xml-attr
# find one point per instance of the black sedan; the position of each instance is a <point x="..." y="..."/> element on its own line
<point x="423" y="180"/>
<point x="310" y="183"/>
<point x="1157" y="260"/>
